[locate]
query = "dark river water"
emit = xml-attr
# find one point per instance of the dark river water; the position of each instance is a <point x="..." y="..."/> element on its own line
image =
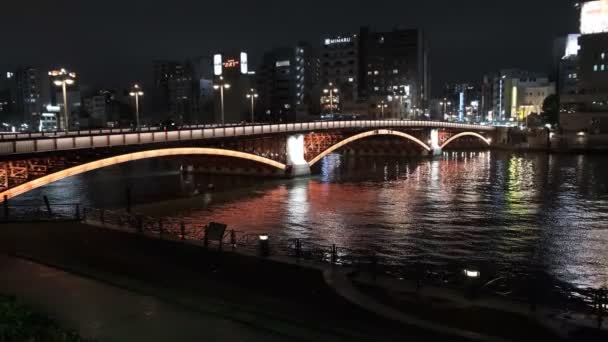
<point x="510" y="212"/>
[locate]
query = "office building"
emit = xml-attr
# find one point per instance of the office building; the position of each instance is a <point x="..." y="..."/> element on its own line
<point x="177" y="87"/>
<point x="287" y="84"/>
<point x="377" y="72"/>
<point x="395" y="67"/>
<point x="515" y="94"/>
<point x="339" y="58"/>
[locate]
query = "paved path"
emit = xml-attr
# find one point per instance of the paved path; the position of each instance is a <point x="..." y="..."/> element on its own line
<point x="107" y="313"/>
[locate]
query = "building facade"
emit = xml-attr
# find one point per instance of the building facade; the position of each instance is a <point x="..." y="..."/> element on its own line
<point x="287" y="84"/>
<point x="515" y="94"/>
<point x="376" y="73"/>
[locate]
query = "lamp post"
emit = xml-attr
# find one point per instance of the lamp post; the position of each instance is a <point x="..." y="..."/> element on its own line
<point x="221" y="86"/>
<point x="136" y="93"/>
<point x="382" y="105"/>
<point x="252" y="95"/>
<point x="331" y="90"/>
<point x="63" y="78"/>
<point x="445" y="103"/>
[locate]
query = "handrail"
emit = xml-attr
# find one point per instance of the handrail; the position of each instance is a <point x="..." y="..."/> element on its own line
<point x="62" y="141"/>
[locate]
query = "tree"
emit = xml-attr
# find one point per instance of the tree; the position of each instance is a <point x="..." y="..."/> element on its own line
<point x="551" y="109"/>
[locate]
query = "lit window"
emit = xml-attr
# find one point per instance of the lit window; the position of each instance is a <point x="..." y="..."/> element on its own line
<point x="395" y="71"/>
<point x="603" y="55"/>
<point x="376" y="88"/>
<point x="595" y="67"/>
<point x="602" y="67"/>
<point x="574" y="75"/>
<point x="376" y="72"/>
<point x="369" y="72"/>
<point x="351" y="80"/>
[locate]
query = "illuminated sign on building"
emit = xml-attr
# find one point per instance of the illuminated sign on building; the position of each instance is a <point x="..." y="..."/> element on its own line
<point x="572" y="46"/>
<point x="594" y="17"/>
<point x="244" y="63"/>
<point x="217" y="64"/>
<point x="339" y="40"/>
<point x="282" y="64"/>
<point x="231" y="63"/>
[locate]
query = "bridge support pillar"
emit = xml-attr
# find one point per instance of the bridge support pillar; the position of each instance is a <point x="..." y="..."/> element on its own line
<point x="435" y="148"/>
<point x="296" y="164"/>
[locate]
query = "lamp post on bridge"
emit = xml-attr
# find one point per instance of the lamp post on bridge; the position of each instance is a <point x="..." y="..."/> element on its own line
<point x="136" y="93"/>
<point x="221" y="86"/>
<point x="445" y="103"/>
<point x="63" y="78"/>
<point x="252" y="95"/>
<point x="331" y="91"/>
<point x="382" y="105"/>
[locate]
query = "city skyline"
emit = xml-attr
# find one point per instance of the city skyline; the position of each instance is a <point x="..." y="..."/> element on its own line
<point x="82" y="39"/>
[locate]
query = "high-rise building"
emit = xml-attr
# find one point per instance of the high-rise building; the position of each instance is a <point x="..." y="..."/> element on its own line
<point x="371" y="70"/>
<point x="339" y="58"/>
<point x="565" y="64"/>
<point x="177" y="86"/>
<point x="395" y="66"/>
<point x="29" y="83"/>
<point x="233" y="79"/>
<point x="584" y="93"/>
<point x="287" y="83"/>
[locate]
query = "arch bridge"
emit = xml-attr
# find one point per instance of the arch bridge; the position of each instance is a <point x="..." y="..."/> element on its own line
<point x="28" y="161"/>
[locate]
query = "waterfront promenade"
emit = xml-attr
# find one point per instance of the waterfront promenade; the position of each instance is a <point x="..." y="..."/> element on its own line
<point x="113" y="277"/>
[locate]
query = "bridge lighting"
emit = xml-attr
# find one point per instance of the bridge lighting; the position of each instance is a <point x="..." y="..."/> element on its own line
<point x="136" y="93"/>
<point x="472" y="274"/>
<point x="63" y="78"/>
<point x="263" y="237"/>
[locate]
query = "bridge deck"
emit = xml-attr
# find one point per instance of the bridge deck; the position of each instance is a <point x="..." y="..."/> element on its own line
<point x="32" y="143"/>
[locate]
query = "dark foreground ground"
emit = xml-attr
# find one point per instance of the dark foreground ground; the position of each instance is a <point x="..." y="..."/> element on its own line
<point x="291" y="301"/>
<point x="165" y="290"/>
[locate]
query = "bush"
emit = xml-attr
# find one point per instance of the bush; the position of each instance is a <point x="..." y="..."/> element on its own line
<point x="19" y="323"/>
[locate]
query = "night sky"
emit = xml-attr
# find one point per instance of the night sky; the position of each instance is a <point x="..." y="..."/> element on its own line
<point x="112" y="43"/>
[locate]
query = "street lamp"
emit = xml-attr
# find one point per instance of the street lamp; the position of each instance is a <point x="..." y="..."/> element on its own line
<point x="252" y="96"/>
<point x="136" y="93"/>
<point x="63" y="78"/>
<point x="382" y="105"/>
<point x="445" y="103"/>
<point x="331" y="90"/>
<point x="221" y="86"/>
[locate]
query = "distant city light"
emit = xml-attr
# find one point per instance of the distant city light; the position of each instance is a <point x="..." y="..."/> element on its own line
<point x="594" y="17"/>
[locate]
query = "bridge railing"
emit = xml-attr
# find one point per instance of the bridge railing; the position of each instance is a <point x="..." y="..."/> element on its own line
<point x="99" y="139"/>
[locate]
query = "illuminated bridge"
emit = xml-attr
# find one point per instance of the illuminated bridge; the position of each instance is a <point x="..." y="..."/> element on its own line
<point x="28" y="161"/>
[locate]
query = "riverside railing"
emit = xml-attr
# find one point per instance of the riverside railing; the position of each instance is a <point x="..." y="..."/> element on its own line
<point x="369" y="261"/>
<point x="31" y="213"/>
<point x="32" y="143"/>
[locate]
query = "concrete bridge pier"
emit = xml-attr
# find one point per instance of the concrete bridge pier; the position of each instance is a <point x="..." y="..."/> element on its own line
<point x="297" y="166"/>
<point x="435" y="147"/>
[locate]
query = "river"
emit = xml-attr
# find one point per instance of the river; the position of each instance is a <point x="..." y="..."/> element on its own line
<point x="510" y="212"/>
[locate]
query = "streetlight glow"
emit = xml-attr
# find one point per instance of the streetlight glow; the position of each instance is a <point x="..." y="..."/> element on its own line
<point x="252" y="95"/>
<point x="136" y="92"/>
<point x="63" y="78"/>
<point x="221" y="86"/>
